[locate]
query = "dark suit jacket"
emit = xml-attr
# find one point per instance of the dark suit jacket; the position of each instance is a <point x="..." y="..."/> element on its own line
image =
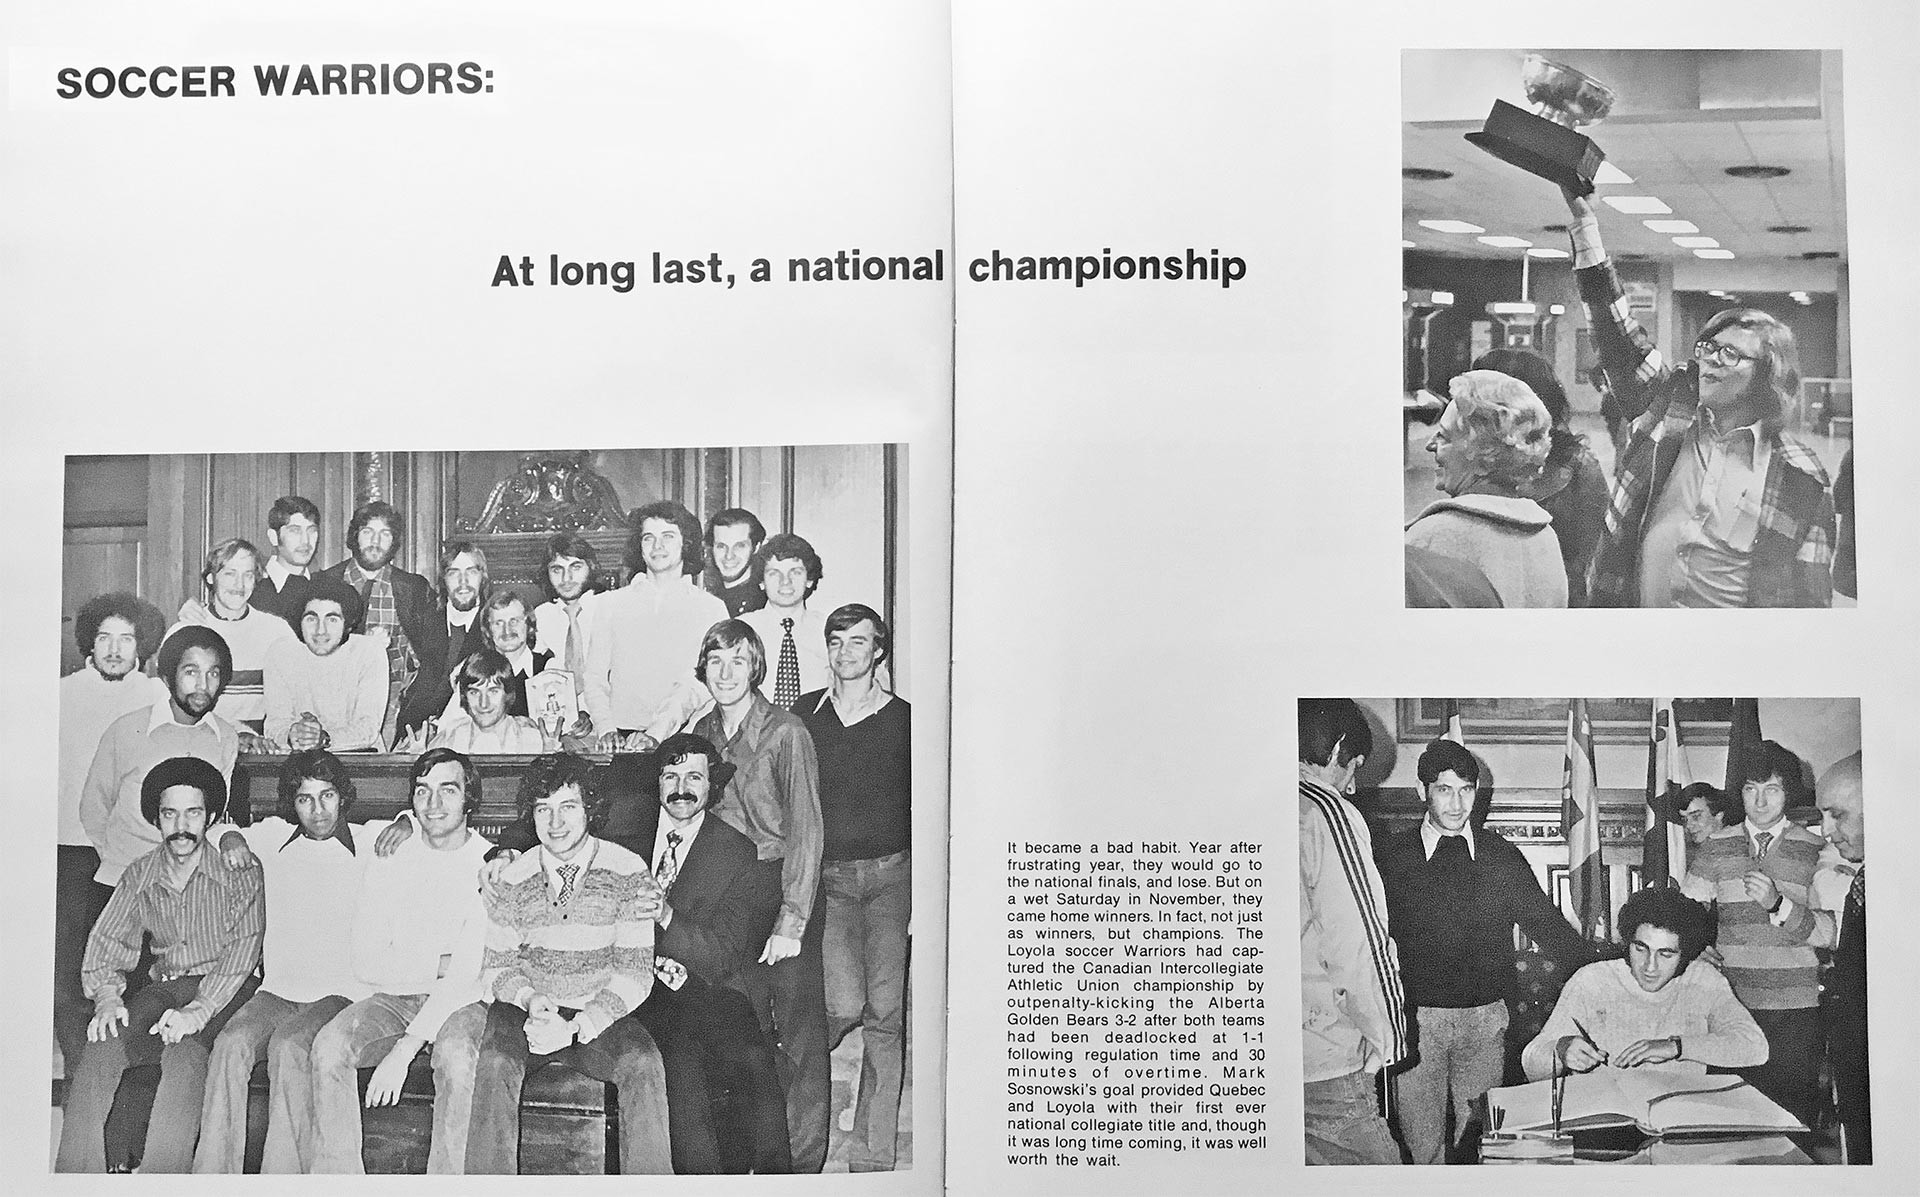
<point x="724" y="903"/>
<point x="431" y="690"/>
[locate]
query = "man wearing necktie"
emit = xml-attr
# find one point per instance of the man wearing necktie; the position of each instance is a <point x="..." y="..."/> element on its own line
<point x="1839" y="800"/>
<point x="796" y="638"/>
<point x="1454" y="894"/>
<point x="719" y="908"/>
<point x="1758" y="872"/>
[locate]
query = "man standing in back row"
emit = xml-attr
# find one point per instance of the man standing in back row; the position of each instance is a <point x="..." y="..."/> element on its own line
<point x="399" y="605"/>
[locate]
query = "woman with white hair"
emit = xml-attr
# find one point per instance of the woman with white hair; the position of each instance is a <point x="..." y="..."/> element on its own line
<point x="1491" y="441"/>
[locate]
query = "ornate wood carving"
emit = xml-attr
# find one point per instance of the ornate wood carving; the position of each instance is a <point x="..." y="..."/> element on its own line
<point x="547" y="493"/>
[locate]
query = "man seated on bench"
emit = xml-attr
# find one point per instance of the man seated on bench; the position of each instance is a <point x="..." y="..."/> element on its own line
<point x="569" y="957"/>
<point x="416" y="941"/>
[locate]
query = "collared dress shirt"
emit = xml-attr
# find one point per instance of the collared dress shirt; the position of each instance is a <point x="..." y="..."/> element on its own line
<point x="212" y="927"/>
<point x="774" y="800"/>
<point x="133" y="744"/>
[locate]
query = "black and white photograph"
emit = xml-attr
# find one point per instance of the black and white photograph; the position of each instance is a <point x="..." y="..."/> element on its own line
<point x="484" y="812"/>
<point x="1626" y="319"/>
<point x="1614" y="948"/>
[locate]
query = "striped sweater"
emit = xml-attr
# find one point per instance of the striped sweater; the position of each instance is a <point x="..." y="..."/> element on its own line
<point x="1770" y="967"/>
<point x="595" y="954"/>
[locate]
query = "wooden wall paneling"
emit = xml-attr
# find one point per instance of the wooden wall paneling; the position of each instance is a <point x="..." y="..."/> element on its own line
<point x="95" y="561"/>
<point x="838" y="507"/>
<point x="177" y="527"/>
<point x="757" y="484"/>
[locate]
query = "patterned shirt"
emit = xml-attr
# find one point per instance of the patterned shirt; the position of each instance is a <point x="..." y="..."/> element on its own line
<point x="213" y="928"/>
<point x="1770" y="966"/>
<point x="1791" y="513"/>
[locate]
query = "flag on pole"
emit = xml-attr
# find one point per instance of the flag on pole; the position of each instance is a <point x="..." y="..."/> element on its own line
<point x="1742" y="738"/>
<point x="1580" y="824"/>
<point x="1455" y="731"/>
<point x="1663" y="857"/>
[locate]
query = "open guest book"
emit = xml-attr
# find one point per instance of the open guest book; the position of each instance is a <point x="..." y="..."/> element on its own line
<point x="1661" y="1102"/>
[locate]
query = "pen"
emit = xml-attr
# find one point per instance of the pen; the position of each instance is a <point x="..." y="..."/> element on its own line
<point x="1589" y="1038"/>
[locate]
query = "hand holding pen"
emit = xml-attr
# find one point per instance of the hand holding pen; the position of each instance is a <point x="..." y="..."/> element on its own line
<point x="1579" y="1053"/>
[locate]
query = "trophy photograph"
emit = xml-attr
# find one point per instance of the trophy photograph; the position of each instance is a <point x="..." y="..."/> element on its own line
<point x="1547" y="141"/>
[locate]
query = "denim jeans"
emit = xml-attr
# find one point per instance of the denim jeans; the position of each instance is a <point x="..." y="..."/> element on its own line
<point x="865" y="961"/>
<point x="361" y="1035"/>
<point x="791" y="998"/>
<point x="285" y="1031"/>
<point x="623" y="1055"/>
<point x="1462" y="1054"/>
<point x="183" y="1074"/>
<point x="1344" y="1125"/>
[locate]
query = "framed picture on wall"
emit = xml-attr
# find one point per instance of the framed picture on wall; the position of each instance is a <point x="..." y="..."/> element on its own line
<point x="1544" y="720"/>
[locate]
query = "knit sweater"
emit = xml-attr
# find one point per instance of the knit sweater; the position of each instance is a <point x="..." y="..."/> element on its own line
<point x="1698" y="1006"/>
<point x="594" y="955"/>
<point x="1453" y="917"/>
<point x="1770" y="967"/>
<point x="89" y="704"/>
<point x="866" y="777"/>
<point x="347" y="689"/>
<point x="248" y="638"/>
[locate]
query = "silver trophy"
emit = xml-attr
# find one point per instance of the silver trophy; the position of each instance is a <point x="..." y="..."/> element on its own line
<point x="1546" y="141"/>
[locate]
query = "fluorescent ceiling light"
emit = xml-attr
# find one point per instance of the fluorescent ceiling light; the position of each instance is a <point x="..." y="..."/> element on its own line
<point x="1505" y="242"/>
<point x="1717" y="292"/>
<point x="1451" y="226"/>
<point x="1713" y="253"/>
<point x="1636" y="205"/>
<point x="1671" y="226"/>
<point x="1558" y="309"/>
<point x="1696" y="243"/>
<point x="1610" y="175"/>
<point x="1542" y="251"/>
<point x="1511" y="308"/>
<point x="1443" y="297"/>
<point x="1405" y="244"/>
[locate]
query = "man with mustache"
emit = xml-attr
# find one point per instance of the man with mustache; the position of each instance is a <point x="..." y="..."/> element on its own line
<point x="293" y="529"/>
<point x="206" y="920"/>
<point x="229" y="576"/>
<point x="116" y="632"/>
<point x="399" y="604"/>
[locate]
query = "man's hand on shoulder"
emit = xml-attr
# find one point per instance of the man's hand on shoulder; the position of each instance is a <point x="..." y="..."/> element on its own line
<point x="235" y="853"/>
<point x="396" y="833"/>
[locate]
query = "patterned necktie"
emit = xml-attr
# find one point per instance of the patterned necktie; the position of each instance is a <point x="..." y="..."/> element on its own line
<point x="567" y="873"/>
<point x="669" y="862"/>
<point x="786" y="682"/>
<point x="1857" y="893"/>
<point x="1762" y="842"/>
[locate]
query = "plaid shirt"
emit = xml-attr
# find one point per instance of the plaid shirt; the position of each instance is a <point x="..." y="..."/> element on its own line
<point x="1793" y="552"/>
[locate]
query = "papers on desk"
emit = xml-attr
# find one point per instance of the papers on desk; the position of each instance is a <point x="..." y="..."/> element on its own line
<point x="1659" y="1101"/>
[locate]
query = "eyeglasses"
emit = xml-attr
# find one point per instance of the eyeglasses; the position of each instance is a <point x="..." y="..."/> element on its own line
<point x="1720" y="353"/>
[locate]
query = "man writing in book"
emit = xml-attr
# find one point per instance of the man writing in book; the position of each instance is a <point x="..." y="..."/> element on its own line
<point x="1352" y="1009"/>
<point x="1455" y="893"/>
<point x="1658" y="1006"/>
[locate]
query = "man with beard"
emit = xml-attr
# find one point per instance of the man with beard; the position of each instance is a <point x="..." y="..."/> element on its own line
<point x="1713" y="503"/>
<point x="206" y="920"/>
<point x="643" y="634"/>
<point x="572" y="583"/>
<point x="459" y="630"/>
<point x="116" y="632"/>
<point x="313" y="860"/>
<point x="195" y="663"/>
<point x="734" y="537"/>
<point x="795" y="637"/>
<point x="863" y="737"/>
<point x="774" y="801"/>
<point x="569" y="957"/>
<point x="398" y="604"/>
<point x="229" y="576"/>
<point x="329" y="690"/>
<point x="293" y="529"/>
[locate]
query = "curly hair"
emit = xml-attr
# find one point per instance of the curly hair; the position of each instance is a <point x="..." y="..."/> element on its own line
<point x="788" y="547"/>
<point x="315" y="764"/>
<point x="1508" y="430"/>
<point x="1537" y="372"/>
<point x="327" y="588"/>
<point x="366" y="513"/>
<point x="1442" y="756"/>
<point x="194" y="635"/>
<point x="1668" y="909"/>
<point x="183" y="771"/>
<point x="692" y="551"/>
<point x="149" y="625"/>
<point x="286" y="507"/>
<point x="552" y="772"/>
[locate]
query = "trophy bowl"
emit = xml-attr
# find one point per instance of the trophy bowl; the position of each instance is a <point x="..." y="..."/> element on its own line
<point x="1563" y="95"/>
